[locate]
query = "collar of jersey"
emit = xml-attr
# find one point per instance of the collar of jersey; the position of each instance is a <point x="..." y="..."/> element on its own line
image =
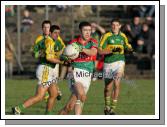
<point x="79" y="40"/>
<point x="115" y="34"/>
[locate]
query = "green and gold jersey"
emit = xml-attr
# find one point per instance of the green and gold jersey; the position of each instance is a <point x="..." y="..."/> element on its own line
<point x="111" y="41"/>
<point x="39" y="45"/>
<point x="52" y="49"/>
<point x="49" y="48"/>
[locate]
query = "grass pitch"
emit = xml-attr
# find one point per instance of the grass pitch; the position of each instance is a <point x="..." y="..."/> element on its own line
<point x="137" y="97"/>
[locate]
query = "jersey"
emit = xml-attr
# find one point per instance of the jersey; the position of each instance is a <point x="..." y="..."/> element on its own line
<point x="110" y="41"/>
<point x="85" y="61"/>
<point x="50" y="49"/>
<point x="39" y="45"/>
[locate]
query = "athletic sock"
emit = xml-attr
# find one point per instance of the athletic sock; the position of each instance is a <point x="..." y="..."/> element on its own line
<point x="21" y="107"/>
<point x="114" y="104"/>
<point x="48" y="112"/>
<point x="107" y="101"/>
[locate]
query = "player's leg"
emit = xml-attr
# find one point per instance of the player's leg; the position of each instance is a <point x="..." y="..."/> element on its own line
<point x="53" y="92"/>
<point x="115" y="92"/>
<point x="81" y="88"/>
<point x="56" y="75"/>
<point x="108" y="87"/>
<point x="107" y="95"/>
<point x="31" y="101"/>
<point x="81" y="98"/>
<point x="72" y="100"/>
<point x="63" y="72"/>
<point x="69" y="106"/>
<point x="117" y="80"/>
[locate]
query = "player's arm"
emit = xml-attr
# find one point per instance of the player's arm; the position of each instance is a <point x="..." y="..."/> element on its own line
<point x="100" y="28"/>
<point x="35" y="47"/>
<point x="102" y="50"/>
<point x="127" y="46"/>
<point x="62" y="42"/>
<point x="90" y="52"/>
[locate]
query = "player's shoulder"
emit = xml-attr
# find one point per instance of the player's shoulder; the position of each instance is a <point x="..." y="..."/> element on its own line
<point x="39" y="38"/>
<point x="123" y="34"/>
<point x="93" y="40"/>
<point x="49" y="40"/>
<point x="107" y="34"/>
<point x="73" y="41"/>
<point x="59" y="38"/>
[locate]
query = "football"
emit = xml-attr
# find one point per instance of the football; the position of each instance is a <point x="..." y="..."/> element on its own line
<point x="71" y="51"/>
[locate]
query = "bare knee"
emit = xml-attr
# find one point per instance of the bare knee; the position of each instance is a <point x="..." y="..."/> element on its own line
<point x="107" y="89"/>
<point x="69" y="107"/>
<point x="83" y="98"/>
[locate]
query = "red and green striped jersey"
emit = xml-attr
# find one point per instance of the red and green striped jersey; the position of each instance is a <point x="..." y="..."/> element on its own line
<point x="85" y="61"/>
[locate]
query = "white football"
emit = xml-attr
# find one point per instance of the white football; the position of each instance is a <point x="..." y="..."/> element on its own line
<point x="71" y="51"/>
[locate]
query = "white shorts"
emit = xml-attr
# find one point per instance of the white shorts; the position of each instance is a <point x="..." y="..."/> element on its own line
<point x="110" y="69"/>
<point x="81" y="76"/>
<point x="46" y="75"/>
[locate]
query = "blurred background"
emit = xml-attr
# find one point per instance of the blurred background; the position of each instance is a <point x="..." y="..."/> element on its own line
<point x="23" y="25"/>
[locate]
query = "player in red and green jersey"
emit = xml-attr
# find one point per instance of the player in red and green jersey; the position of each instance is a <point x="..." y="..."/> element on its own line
<point x="82" y="69"/>
<point x="113" y="45"/>
<point x="45" y="73"/>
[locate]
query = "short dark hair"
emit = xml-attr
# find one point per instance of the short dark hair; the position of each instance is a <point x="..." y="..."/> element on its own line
<point x="84" y="23"/>
<point x="54" y="27"/>
<point x="115" y="20"/>
<point x="46" y="22"/>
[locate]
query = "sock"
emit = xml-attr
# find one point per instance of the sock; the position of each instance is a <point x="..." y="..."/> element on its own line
<point x="48" y="112"/>
<point x="46" y="96"/>
<point x="114" y="104"/>
<point x="107" y="101"/>
<point x="21" y="107"/>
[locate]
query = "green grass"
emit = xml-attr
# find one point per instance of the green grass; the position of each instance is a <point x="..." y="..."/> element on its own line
<point x="136" y="98"/>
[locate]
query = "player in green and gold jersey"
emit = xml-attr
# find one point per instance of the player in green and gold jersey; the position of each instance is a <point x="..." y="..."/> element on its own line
<point x="39" y="47"/>
<point x="113" y="45"/>
<point x="45" y="73"/>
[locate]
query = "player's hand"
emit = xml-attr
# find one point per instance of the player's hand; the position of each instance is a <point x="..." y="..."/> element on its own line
<point x="63" y="58"/>
<point x="66" y="63"/>
<point x="132" y="52"/>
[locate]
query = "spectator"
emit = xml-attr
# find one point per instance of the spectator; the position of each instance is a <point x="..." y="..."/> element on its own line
<point x="9" y="10"/>
<point x="148" y="34"/>
<point x="26" y="22"/>
<point x="132" y="30"/>
<point x="143" y="61"/>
